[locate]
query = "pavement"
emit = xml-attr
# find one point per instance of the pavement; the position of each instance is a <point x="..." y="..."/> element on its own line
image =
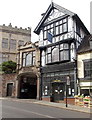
<point x="52" y="104"/>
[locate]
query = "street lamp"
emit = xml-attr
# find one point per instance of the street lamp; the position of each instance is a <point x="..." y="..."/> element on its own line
<point x="67" y="84"/>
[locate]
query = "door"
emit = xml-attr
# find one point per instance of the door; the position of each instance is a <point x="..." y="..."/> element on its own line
<point x="57" y="91"/>
<point x="9" y="89"/>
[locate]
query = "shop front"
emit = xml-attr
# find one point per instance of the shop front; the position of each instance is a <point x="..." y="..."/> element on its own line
<point x="54" y="83"/>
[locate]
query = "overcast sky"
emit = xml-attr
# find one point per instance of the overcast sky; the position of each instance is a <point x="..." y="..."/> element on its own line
<point x="27" y="13"/>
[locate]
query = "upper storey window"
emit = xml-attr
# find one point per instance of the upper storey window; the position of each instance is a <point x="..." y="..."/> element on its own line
<point x="28" y="59"/>
<point x="57" y="53"/>
<point x="56" y="28"/>
<point x="4" y="43"/>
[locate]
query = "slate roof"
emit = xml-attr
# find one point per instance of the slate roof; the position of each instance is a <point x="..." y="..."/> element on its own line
<point x="61" y="9"/>
<point x="85" y="44"/>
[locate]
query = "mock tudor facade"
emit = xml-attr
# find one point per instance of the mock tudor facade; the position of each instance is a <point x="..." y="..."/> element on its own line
<point x="61" y="32"/>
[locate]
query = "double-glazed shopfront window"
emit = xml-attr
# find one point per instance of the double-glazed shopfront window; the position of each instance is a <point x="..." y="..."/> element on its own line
<point x="28" y="58"/>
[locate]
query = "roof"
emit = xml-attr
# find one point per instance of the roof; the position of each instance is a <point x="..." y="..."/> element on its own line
<point x="85" y="44"/>
<point x="61" y="9"/>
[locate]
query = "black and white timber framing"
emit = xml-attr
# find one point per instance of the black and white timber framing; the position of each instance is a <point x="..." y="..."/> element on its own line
<point x="58" y="58"/>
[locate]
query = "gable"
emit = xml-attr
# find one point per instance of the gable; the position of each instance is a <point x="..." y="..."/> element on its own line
<point x="52" y="12"/>
<point x="55" y="11"/>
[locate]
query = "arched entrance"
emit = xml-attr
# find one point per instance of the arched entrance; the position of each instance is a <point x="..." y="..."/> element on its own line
<point x="27" y="86"/>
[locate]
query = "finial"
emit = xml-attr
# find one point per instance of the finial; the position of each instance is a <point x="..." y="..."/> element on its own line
<point x="10" y="25"/>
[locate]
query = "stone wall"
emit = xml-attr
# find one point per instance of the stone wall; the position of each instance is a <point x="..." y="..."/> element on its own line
<point x="6" y="79"/>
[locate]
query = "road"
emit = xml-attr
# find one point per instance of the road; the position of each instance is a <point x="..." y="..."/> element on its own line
<point x="17" y="109"/>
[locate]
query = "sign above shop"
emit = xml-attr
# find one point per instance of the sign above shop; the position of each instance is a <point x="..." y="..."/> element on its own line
<point x="56" y="81"/>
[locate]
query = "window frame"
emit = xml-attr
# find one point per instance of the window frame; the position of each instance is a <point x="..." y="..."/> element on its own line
<point x="24" y="59"/>
<point x="87" y="68"/>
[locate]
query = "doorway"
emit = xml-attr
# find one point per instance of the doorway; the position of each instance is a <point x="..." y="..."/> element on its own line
<point x="9" y="89"/>
<point x="28" y="87"/>
<point x="57" y="91"/>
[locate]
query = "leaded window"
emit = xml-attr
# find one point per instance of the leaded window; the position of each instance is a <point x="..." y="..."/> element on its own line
<point x="55" y="54"/>
<point x="28" y="58"/>
<point x="64" y="52"/>
<point x="48" y="55"/>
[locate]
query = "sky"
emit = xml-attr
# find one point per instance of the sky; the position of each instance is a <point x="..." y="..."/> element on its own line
<point x="27" y="13"/>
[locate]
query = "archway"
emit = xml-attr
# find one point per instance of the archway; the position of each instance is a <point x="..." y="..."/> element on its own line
<point x="27" y="86"/>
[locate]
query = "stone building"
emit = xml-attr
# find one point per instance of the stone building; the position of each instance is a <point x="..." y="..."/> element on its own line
<point x="10" y="39"/>
<point x="26" y="82"/>
<point x="85" y="66"/>
<point x="60" y="32"/>
<point x="28" y="79"/>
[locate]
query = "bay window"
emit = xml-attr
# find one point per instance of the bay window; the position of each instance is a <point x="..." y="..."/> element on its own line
<point x="56" y="53"/>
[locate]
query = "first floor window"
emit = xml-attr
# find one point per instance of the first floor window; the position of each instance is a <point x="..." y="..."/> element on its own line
<point x="28" y="59"/>
<point x="55" y="54"/>
<point x="12" y="44"/>
<point x="88" y="68"/>
<point x="5" y="43"/>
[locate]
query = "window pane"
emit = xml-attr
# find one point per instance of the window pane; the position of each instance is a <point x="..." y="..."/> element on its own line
<point x="60" y="28"/>
<point x="49" y="50"/>
<point x="66" y="55"/>
<point x="4" y="43"/>
<point x="61" y="56"/>
<point x="61" y="47"/>
<point x="29" y="59"/>
<point x="65" y="27"/>
<point x="49" y="58"/>
<point x="57" y="30"/>
<point x="55" y="54"/>
<point x="12" y="44"/>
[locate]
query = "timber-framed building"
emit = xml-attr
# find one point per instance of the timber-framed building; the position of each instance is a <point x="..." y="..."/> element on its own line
<point x="61" y="32"/>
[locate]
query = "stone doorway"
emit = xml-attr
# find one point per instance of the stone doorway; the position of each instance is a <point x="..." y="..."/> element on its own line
<point x="9" y="89"/>
<point x="28" y="87"/>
